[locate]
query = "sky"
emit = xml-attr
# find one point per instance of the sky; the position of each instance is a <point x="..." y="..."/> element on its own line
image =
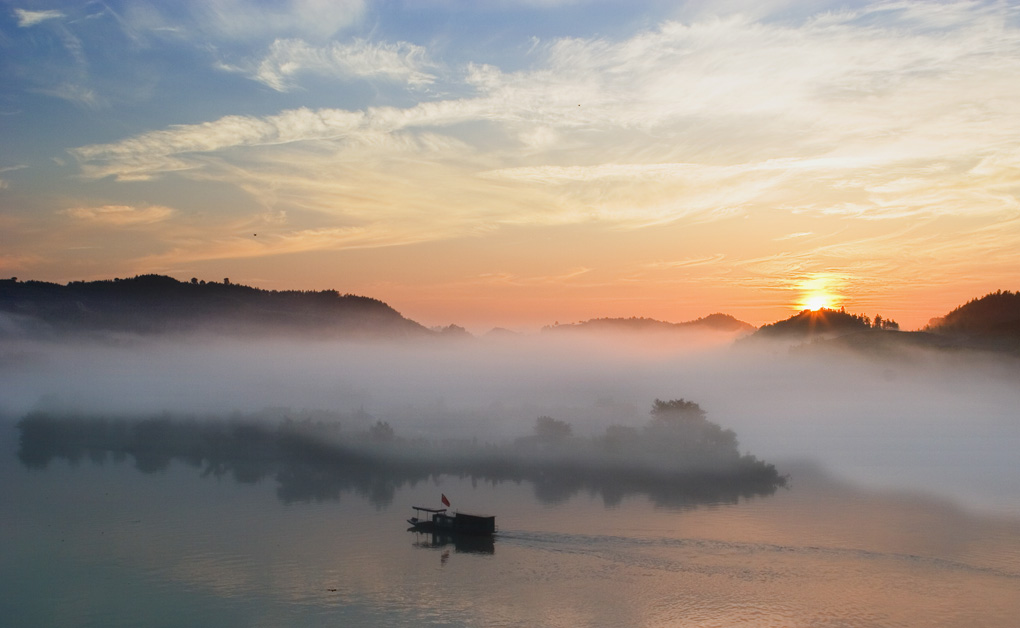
<point x="516" y="163"/>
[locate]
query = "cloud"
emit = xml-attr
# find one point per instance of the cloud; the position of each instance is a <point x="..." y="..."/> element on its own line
<point x="145" y="155"/>
<point x="120" y="215"/>
<point x="238" y="20"/>
<point x="4" y="183"/>
<point x="74" y="92"/>
<point x="288" y="58"/>
<point x="187" y="250"/>
<point x="832" y="86"/>
<point x="31" y="18"/>
<point x="709" y="260"/>
<point x="11" y="262"/>
<point x="888" y="112"/>
<point x="794" y="236"/>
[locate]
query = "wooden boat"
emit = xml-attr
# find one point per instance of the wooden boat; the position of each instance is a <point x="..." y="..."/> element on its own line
<point x="438" y="520"/>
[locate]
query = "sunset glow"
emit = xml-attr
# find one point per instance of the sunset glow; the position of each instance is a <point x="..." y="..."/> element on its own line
<point x="517" y="163"/>
<point x="821" y="290"/>
<point x="816" y="302"/>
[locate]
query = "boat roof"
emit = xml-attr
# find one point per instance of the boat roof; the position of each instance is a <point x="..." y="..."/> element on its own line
<point x="423" y="508"/>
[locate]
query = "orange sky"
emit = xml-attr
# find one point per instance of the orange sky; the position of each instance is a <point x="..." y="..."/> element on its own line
<point x="518" y="164"/>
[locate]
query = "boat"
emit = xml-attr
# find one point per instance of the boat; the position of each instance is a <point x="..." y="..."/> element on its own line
<point x="438" y="520"/>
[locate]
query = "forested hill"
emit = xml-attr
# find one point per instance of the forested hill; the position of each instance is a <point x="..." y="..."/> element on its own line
<point x="991" y="323"/>
<point x="997" y="313"/>
<point x="812" y="322"/>
<point x="713" y="322"/>
<point x="159" y="304"/>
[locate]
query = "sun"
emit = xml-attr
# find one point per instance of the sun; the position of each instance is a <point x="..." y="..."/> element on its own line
<point x="820" y="291"/>
<point x="817" y="301"/>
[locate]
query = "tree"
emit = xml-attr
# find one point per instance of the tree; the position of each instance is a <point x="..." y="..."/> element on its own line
<point x="382" y="432"/>
<point x="621" y="438"/>
<point x="677" y="411"/>
<point x="885" y="323"/>
<point x="681" y="428"/>
<point x="548" y="428"/>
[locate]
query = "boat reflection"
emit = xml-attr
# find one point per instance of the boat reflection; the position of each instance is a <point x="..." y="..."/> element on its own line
<point x="461" y="543"/>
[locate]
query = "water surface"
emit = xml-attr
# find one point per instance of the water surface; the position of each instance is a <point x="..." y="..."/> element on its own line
<point x="101" y="543"/>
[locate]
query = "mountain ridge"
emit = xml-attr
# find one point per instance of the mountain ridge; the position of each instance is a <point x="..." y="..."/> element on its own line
<point x="158" y="304"/>
<point x="148" y="304"/>
<point x="713" y="322"/>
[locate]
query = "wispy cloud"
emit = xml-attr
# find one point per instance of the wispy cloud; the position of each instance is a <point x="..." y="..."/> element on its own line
<point x="189" y="247"/>
<point x="708" y="260"/>
<point x="289" y="58"/>
<point x="10" y="262"/>
<point x="4" y="184"/>
<point x="886" y="116"/>
<point x="142" y="156"/>
<point x="77" y="93"/>
<point x="793" y="236"/>
<point x="567" y="276"/>
<point x="244" y="21"/>
<point x="31" y="18"/>
<point x="120" y="215"/>
<point x="836" y="93"/>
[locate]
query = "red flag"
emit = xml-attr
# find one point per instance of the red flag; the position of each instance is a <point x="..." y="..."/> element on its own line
<point x="446" y="502"/>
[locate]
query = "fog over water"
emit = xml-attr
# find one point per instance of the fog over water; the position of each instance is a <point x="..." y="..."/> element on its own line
<point x="942" y="423"/>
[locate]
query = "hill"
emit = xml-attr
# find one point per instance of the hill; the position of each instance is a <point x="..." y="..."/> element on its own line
<point x="722" y="323"/>
<point x="816" y="322"/>
<point x="997" y="313"/>
<point x="158" y="304"/>
<point x="991" y="322"/>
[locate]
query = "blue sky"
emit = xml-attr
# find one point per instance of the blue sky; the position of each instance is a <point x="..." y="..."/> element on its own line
<point x="513" y="163"/>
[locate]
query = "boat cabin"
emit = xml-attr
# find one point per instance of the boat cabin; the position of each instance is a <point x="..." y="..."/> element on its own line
<point x="438" y="520"/>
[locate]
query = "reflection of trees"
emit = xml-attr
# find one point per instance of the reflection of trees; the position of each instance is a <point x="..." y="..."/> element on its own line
<point x="678" y="459"/>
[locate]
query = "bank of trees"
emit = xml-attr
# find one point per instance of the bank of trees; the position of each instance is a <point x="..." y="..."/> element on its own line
<point x="678" y="438"/>
<point x="678" y="456"/>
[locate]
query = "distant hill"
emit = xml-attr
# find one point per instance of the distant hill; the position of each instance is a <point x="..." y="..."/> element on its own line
<point x="816" y="322"/>
<point x="713" y="322"/>
<point x="991" y="322"/>
<point x="158" y="304"/>
<point x="997" y="313"/>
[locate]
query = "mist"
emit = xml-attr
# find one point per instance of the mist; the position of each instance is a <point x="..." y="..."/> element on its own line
<point x="937" y="422"/>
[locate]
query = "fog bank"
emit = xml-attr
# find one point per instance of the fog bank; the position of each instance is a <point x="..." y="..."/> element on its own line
<point x="941" y="422"/>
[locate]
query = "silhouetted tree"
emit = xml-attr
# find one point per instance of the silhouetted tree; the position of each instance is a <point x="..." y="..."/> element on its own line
<point x="885" y="323"/>
<point x="677" y="410"/>
<point x="681" y="426"/>
<point x="312" y="461"/>
<point x="382" y="432"/>
<point x="620" y="438"/>
<point x="548" y="428"/>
